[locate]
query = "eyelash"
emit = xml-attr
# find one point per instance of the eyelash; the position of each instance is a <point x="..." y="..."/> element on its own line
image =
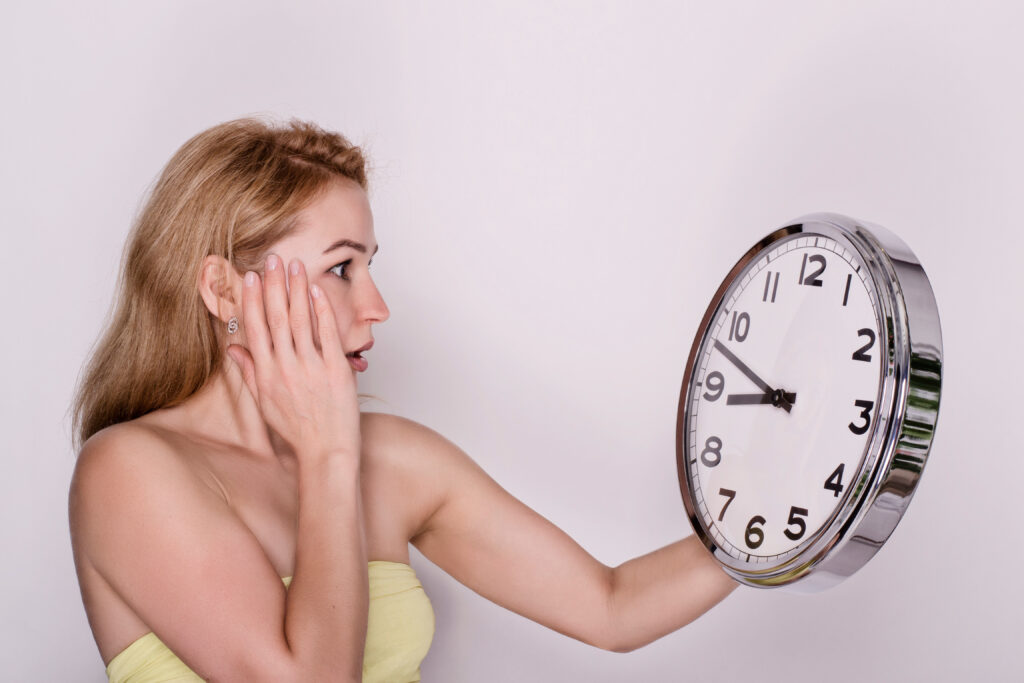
<point x="343" y="265"/>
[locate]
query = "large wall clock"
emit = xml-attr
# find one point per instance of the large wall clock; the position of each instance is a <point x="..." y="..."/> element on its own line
<point x="809" y="403"/>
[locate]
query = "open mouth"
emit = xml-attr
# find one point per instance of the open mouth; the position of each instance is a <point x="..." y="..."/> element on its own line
<point x="358" y="353"/>
<point x="356" y="360"/>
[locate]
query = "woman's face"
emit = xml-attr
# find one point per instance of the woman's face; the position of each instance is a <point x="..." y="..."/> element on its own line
<point x="334" y="240"/>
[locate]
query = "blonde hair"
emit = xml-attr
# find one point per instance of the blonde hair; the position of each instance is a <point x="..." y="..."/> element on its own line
<point x="233" y="190"/>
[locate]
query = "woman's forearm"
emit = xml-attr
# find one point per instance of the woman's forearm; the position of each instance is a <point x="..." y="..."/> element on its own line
<point x="655" y="594"/>
<point x="326" y="611"/>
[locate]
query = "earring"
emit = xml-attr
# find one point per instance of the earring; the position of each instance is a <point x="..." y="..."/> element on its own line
<point x="232" y="325"/>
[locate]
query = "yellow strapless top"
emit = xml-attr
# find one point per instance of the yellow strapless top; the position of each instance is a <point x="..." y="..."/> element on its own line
<point x="399" y="630"/>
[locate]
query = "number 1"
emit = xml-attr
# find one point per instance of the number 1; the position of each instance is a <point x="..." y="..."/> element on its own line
<point x="768" y="284"/>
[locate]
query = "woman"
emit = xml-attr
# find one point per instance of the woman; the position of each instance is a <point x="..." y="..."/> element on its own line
<point x="233" y="514"/>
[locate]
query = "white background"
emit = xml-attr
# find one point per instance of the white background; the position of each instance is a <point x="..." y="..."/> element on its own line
<point x="559" y="188"/>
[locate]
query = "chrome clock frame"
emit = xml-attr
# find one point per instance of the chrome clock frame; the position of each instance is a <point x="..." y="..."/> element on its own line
<point x="898" y="445"/>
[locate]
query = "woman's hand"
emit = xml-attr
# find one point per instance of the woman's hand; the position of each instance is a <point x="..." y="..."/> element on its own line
<point x="306" y="395"/>
<point x="189" y="566"/>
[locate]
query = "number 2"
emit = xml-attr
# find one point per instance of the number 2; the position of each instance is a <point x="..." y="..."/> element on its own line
<point x="812" y="279"/>
<point x="862" y="352"/>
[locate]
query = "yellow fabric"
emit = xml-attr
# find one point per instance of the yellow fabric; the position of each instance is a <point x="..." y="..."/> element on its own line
<point x="399" y="630"/>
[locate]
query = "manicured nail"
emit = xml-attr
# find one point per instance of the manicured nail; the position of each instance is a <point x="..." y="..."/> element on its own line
<point x="294" y="267"/>
<point x="315" y="291"/>
<point x="272" y="262"/>
<point x="250" y="279"/>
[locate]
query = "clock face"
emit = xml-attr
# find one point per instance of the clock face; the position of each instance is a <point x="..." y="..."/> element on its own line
<point x="783" y="398"/>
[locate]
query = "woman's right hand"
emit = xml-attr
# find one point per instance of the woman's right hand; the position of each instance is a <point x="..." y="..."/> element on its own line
<point x="179" y="556"/>
<point x="306" y="395"/>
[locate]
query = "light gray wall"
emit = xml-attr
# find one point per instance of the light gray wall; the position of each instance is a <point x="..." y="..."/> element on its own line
<point x="559" y="189"/>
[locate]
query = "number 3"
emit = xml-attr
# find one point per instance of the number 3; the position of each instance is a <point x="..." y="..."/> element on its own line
<point x="866" y="414"/>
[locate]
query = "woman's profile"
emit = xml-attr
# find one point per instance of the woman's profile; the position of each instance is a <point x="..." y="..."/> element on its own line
<point x="234" y="516"/>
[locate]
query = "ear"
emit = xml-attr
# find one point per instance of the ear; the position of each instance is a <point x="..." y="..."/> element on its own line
<point x="220" y="287"/>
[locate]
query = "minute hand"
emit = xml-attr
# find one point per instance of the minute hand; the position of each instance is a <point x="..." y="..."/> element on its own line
<point x="743" y="367"/>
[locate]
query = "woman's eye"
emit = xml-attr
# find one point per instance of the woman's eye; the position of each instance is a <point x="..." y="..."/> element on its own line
<point x="339" y="269"/>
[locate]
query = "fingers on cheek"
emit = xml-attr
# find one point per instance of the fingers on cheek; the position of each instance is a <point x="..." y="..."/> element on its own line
<point x="316" y="332"/>
<point x="322" y="315"/>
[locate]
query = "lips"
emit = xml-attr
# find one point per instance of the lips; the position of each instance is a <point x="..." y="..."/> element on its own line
<point x="356" y="360"/>
<point x="357" y="352"/>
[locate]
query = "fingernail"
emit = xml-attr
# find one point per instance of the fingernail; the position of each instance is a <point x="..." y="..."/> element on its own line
<point x="250" y="279"/>
<point x="294" y="267"/>
<point x="272" y="262"/>
<point x="315" y="291"/>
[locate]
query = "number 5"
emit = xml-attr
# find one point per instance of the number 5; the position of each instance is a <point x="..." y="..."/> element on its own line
<point x="794" y="518"/>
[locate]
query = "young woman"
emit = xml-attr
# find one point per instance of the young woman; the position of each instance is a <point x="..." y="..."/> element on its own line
<point x="234" y="516"/>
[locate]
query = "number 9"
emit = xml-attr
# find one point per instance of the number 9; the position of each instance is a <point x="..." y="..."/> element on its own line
<point x="715" y="382"/>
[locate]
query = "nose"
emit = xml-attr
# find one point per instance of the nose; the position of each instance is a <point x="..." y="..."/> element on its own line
<point x="373" y="308"/>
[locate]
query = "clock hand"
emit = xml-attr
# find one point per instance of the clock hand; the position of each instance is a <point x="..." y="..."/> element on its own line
<point x="774" y="398"/>
<point x="743" y="366"/>
<point x="777" y="398"/>
<point x="748" y="399"/>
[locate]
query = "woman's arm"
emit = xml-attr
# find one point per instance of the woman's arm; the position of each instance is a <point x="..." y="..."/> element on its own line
<point x="503" y="550"/>
<point x="169" y="544"/>
<point x="328" y="598"/>
<point x="657" y="593"/>
<point x="308" y="397"/>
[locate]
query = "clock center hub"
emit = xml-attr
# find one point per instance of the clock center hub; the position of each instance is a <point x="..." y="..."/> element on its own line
<point x="779" y="398"/>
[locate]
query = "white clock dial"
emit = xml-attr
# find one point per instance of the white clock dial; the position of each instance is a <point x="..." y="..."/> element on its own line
<point x="783" y="397"/>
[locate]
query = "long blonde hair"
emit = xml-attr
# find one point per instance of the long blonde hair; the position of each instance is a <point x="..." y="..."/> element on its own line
<point x="232" y="190"/>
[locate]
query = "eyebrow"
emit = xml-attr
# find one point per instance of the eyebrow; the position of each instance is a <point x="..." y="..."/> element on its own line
<point x="358" y="246"/>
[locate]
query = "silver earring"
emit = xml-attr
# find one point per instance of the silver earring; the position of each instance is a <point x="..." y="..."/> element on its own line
<point x="232" y="325"/>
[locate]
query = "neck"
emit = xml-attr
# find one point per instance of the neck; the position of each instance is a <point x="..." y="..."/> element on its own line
<point x="224" y="410"/>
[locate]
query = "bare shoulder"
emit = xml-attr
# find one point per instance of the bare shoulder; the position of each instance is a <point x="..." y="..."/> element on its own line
<point x="416" y="446"/>
<point x="395" y="431"/>
<point x="157" y="548"/>
<point x="112" y="458"/>
<point x="428" y="468"/>
<point x="116" y="469"/>
<point x="123" y="454"/>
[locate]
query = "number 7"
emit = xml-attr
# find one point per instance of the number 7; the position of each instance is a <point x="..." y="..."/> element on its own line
<point x="728" y="494"/>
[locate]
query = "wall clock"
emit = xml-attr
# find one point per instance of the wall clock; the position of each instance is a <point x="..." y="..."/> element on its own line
<point x="809" y="403"/>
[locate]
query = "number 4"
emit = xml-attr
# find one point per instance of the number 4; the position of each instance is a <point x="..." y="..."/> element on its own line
<point x="834" y="482"/>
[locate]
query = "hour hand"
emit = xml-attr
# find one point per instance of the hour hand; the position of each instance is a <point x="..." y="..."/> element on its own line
<point x="776" y="397"/>
<point x="748" y="399"/>
<point x="781" y="399"/>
